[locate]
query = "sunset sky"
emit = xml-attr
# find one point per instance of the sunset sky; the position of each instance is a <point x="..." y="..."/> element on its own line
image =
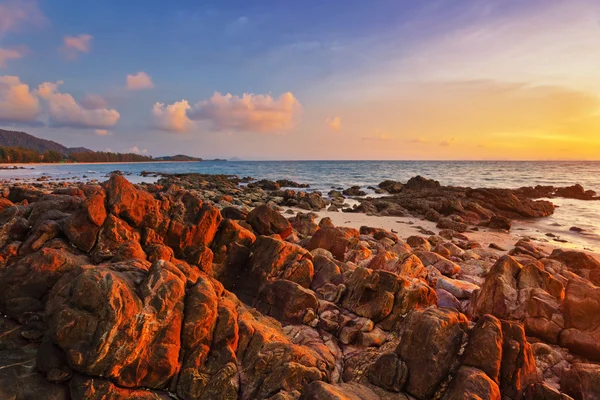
<point x="398" y="79"/>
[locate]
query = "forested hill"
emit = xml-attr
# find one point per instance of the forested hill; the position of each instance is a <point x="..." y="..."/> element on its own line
<point x="30" y="142"/>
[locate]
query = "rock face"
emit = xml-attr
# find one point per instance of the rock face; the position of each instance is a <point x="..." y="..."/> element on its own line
<point x="117" y="291"/>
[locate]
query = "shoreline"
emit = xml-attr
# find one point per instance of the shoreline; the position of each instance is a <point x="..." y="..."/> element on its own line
<point x="97" y="163"/>
<point x="404" y="227"/>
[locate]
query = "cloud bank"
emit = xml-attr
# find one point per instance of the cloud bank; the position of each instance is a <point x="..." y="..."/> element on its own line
<point x="64" y="111"/>
<point x="248" y="113"/>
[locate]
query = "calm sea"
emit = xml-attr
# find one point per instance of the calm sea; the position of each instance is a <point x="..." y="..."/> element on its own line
<point x="323" y="175"/>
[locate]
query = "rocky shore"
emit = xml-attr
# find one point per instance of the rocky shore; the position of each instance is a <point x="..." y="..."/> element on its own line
<point x="199" y="287"/>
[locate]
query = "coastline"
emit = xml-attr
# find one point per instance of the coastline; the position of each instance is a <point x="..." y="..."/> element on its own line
<point x="405" y="227"/>
<point x="97" y="163"/>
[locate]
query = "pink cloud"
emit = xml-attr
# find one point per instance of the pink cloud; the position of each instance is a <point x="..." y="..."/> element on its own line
<point x="93" y="102"/>
<point x="17" y="102"/>
<point x="11" y="54"/>
<point x="248" y="113"/>
<point x="14" y="15"/>
<point x="334" y="123"/>
<point x="73" y="45"/>
<point x="139" y="81"/>
<point x="64" y="111"/>
<point x="172" y="117"/>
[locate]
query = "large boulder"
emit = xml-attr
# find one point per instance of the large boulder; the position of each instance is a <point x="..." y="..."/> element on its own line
<point x="335" y="240"/>
<point x="266" y="221"/>
<point x="230" y="231"/>
<point x="119" y="322"/>
<point x="429" y="345"/>
<point x="384" y="296"/>
<point x="581" y="381"/>
<point x="26" y="281"/>
<point x="273" y="259"/>
<point x="137" y="207"/>
<point x="582" y="319"/>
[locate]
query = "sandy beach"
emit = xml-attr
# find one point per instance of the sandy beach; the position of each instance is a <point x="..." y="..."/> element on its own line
<point x="409" y="226"/>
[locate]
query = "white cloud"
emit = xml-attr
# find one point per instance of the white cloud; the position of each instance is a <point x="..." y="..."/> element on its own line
<point x="73" y="45"/>
<point x="17" y="102"/>
<point x="172" y="117"/>
<point x="137" y="150"/>
<point x="334" y="123"/>
<point x="249" y="113"/>
<point x="64" y="111"/>
<point x="103" y="132"/>
<point x="17" y="13"/>
<point x="11" y="54"/>
<point x="139" y="81"/>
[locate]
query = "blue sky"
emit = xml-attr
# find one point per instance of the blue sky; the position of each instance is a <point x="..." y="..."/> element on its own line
<point x="446" y="79"/>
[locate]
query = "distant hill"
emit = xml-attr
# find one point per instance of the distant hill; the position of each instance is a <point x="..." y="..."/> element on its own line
<point x="178" y="157"/>
<point x="27" y="141"/>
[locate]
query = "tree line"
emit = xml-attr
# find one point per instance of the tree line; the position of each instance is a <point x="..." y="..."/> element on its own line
<point x="22" y="155"/>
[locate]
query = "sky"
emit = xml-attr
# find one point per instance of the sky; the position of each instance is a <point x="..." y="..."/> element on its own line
<point x="278" y="80"/>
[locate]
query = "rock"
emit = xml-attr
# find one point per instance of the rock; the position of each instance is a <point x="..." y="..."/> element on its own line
<point x="518" y="368"/>
<point x="230" y="231"/>
<point x="459" y="289"/>
<point x="305" y="224"/>
<point x="430" y="342"/>
<point x="234" y="213"/>
<point x="319" y="390"/>
<point x="496" y="247"/>
<point x="447" y="223"/>
<point x="499" y="222"/>
<point x="446" y="299"/>
<point x="432" y="215"/>
<point x="418" y="243"/>
<point x="581" y="381"/>
<point x="353" y="191"/>
<point x="286" y="301"/>
<point x="442" y="264"/>
<point x="265" y="184"/>
<point x="484" y="349"/>
<point x="335" y="240"/>
<point x="578" y="262"/>
<point x="273" y="259"/>
<point x="471" y="383"/>
<point x="20" y="380"/>
<point x="82" y="387"/>
<point x="392" y="187"/>
<point x="192" y="224"/>
<point x="26" y="281"/>
<point x="266" y="221"/>
<point x="107" y="329"/>
<point x="389" y="372"/>
<point x="582" y="319"/>
<point x="138" y="208"/>
<point x="420" y="183"/>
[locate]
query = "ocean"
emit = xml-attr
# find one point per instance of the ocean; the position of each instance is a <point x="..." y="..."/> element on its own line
<point x="323" y="175"/>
